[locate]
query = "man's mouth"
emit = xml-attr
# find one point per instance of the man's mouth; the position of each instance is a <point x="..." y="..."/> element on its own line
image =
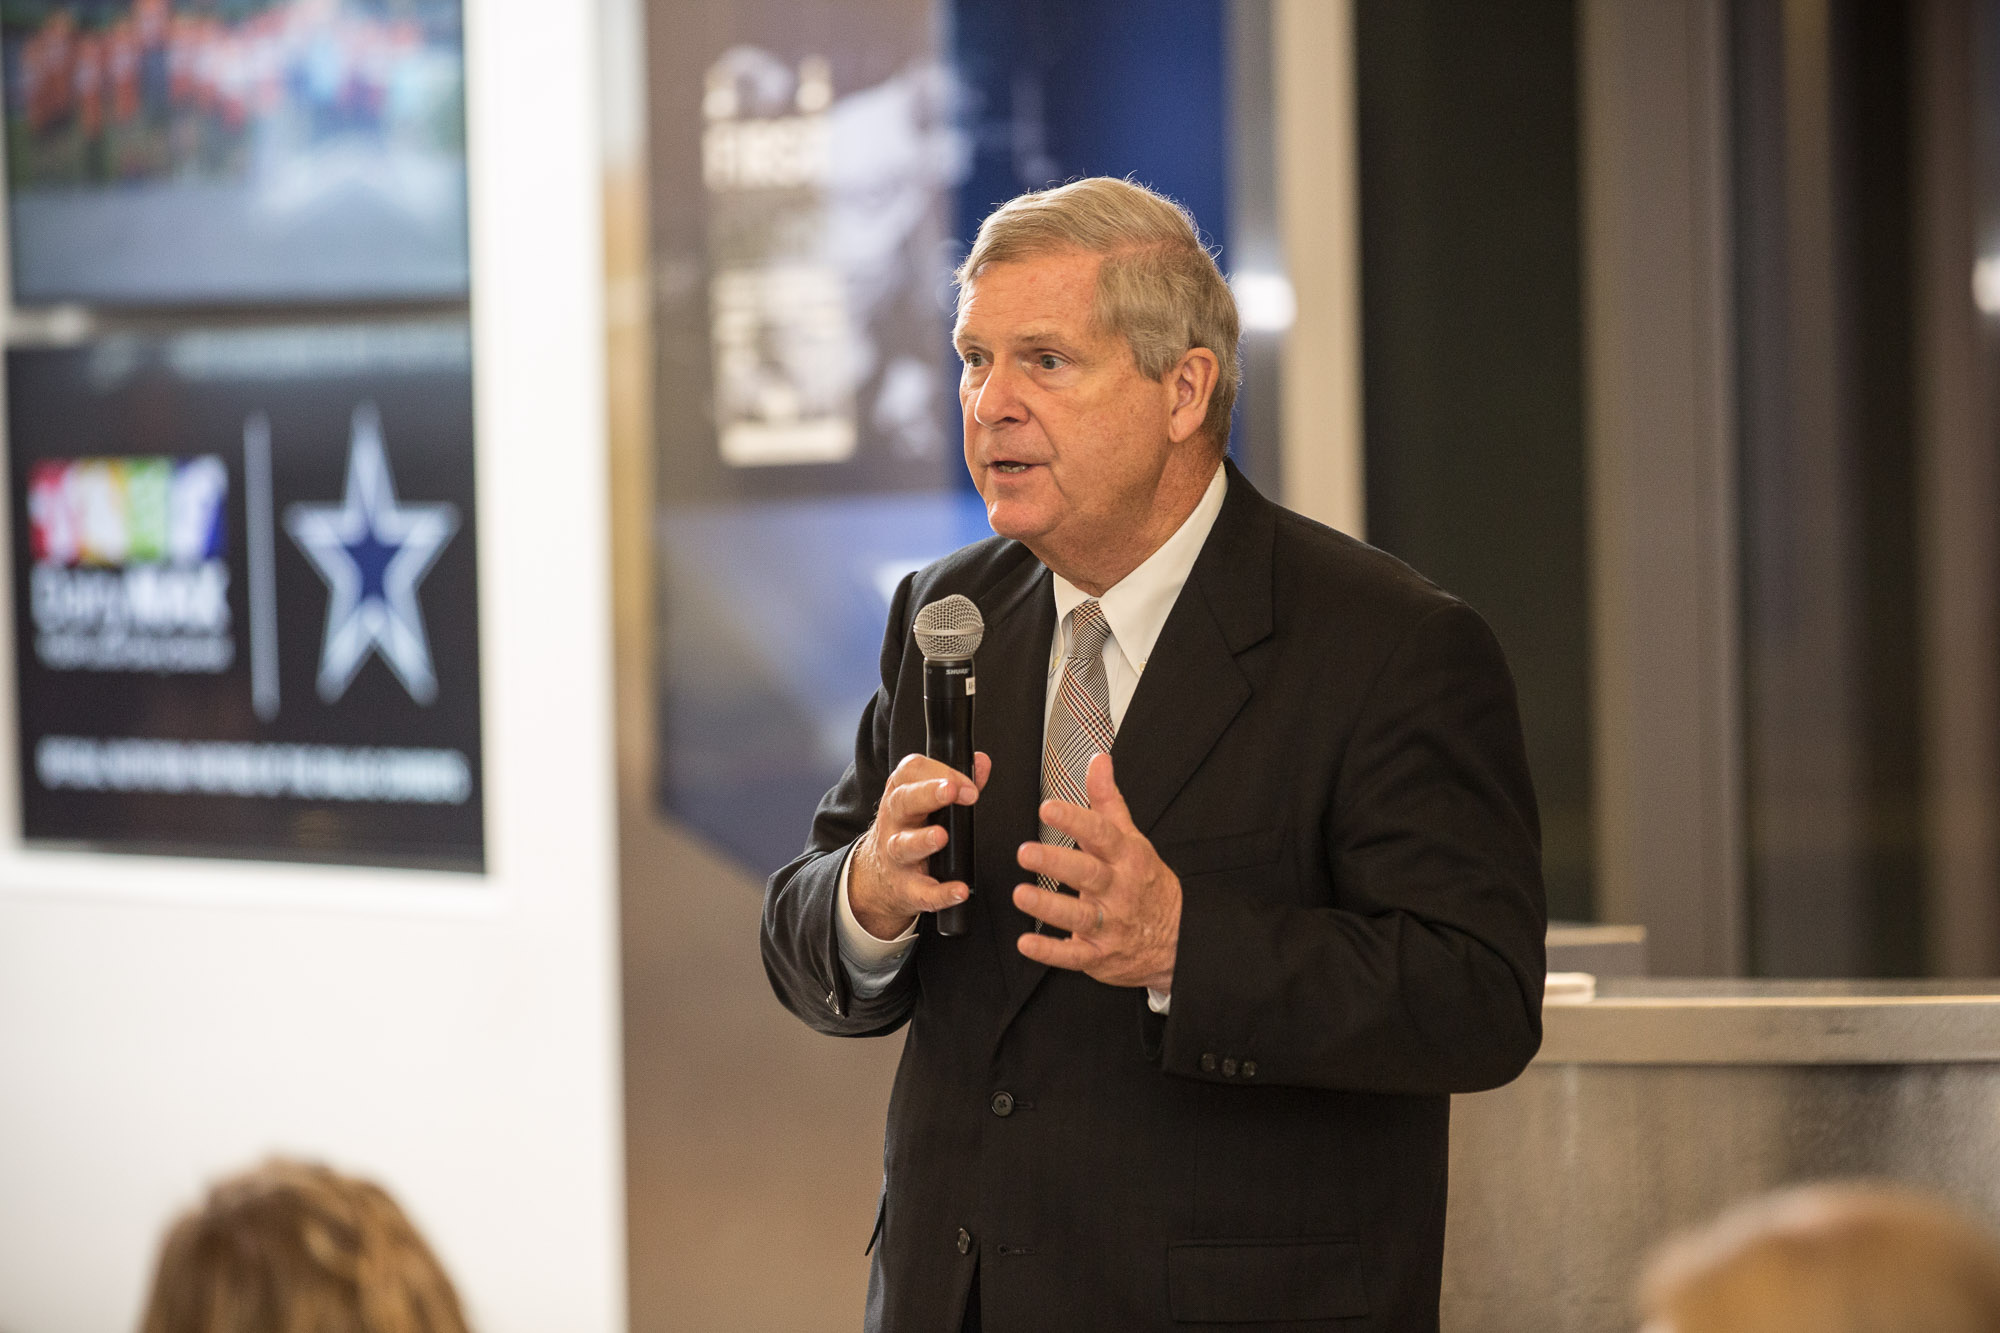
<point x="1011" y="468"/>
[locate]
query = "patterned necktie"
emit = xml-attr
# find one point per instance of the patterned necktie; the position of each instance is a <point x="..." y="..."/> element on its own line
<point x="1080" y="722"/>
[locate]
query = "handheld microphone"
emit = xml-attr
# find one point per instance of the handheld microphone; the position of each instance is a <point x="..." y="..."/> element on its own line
<point x="948" y="631"/>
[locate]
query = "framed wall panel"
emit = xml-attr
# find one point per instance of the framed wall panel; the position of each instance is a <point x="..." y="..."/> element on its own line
<point x="245" y="596"/>
<point x="256" y="152"/>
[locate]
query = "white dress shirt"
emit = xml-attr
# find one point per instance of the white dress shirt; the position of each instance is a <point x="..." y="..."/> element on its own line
<point x="1136" y="609"/>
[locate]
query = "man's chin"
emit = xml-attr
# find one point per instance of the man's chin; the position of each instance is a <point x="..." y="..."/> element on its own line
<point x="1010" y="519"/>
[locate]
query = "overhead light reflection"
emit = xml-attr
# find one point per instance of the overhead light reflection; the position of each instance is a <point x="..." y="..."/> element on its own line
<point x="1986" y="286"/>
<point x="1265" y="301"/>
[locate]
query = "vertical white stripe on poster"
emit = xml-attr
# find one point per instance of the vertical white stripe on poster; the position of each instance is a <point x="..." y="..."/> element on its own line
<point x="257" y="521"/>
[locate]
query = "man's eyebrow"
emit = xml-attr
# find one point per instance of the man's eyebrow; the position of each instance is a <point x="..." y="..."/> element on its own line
<point x="1034" y="337"/>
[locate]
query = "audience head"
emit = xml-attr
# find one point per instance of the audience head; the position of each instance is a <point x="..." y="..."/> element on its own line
<point x="293" y="1247"/>
<point x="1850" y="1258"/>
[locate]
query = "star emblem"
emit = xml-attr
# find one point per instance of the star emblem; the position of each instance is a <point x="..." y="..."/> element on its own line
<point x="372" y="553"/>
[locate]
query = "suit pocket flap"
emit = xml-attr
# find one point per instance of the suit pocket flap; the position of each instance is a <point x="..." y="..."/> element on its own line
<point x="1234" y="851"/>
<point x="1249" y="1282"/>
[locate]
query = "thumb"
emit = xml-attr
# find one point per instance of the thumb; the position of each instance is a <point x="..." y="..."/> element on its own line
<point x="1105" y="798"/>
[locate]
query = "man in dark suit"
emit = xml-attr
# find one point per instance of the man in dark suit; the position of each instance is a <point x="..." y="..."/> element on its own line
<point x="1207" y="1084"/>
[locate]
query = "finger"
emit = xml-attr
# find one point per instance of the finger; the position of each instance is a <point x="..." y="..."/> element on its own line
<point x="913" y="802"/>
<point x="1075" y="915"/>
<point x="1078" y="869"/>
<point x="920" y="768"/>
<point x="982" y="768"/>
<point x="1092" y="831"/>
<point x="910" y="768"/>
<point x="924" y="894"/>
<point x="1074" y="953"/>
<point x="912" y="846"/>
<point x="1101" y="783"/>
<point x="885" y="887"/>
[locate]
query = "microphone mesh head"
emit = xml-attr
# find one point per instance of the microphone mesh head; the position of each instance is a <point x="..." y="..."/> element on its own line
<point x="949" y="629"/>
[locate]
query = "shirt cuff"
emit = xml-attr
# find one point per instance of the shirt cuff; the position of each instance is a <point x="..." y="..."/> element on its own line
<point x="1156" y="1000"/>
<point x="871" y="963"/>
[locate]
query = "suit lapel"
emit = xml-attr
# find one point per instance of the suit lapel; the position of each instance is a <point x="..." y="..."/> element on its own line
<point x="1189" y="694"/>
<point x="1013" y="665"/>
<point x="1193" y="686"/>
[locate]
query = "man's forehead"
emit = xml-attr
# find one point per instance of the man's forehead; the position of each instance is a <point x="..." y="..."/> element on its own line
<point x="1037" y="295"/>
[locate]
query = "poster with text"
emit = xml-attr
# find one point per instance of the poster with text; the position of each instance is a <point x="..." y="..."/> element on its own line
<point x="803" y="159"/>
<point x="245" y="595"/>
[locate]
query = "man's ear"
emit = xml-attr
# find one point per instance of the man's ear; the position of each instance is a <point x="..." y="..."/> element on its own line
<point x="1190" y="387"/>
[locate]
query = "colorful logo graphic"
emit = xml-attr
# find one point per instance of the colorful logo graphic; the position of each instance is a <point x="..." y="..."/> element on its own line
<point x="130" y="570"/>
<point x="113" y="512"/>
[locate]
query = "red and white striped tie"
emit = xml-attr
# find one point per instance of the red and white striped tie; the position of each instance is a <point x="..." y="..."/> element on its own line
<point x="1080" y="722"/>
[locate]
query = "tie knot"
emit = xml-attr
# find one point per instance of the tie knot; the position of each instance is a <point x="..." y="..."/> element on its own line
<point x="1087" y="630"/>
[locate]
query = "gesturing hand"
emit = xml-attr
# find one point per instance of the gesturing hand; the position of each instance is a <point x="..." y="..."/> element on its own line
<point x="887" y="881"/>
<point x="1125" y="925"/>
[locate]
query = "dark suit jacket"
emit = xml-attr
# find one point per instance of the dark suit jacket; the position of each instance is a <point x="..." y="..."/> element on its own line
<point x="1325" y="748"/>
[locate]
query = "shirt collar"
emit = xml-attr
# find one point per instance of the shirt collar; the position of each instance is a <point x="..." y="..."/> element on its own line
<point x="1136" y="607"/>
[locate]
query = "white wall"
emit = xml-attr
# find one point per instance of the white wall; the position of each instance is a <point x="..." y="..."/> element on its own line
<point x="162" y="1021"/>
<point x="1318" y="166"/>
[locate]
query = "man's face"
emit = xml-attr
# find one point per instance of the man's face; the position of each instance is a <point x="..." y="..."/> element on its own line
<point x="1065" y="438"/>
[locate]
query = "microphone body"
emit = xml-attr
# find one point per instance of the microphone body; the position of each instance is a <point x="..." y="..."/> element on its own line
<point x="949" y="686"/>
<point x="949" y="631"/>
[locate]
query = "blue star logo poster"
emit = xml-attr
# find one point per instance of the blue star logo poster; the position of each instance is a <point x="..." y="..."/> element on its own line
<point x="372" y="552"/>
<point x="246" y="600"/>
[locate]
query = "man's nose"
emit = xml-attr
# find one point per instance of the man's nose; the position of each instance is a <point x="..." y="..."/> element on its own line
<point x="997" y="400"/>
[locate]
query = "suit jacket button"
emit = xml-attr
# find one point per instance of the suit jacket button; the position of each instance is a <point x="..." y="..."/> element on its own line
<point x="1249" y="1069"/>
<point x="964" y="1241"/>
<point x="1208" y="1064"/>
<point x="1229" y="1069"/>
<point x="1003" y="1104"/>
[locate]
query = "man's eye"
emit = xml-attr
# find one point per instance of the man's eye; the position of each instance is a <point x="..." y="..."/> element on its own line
<point x="972" y="360"/>
<point x="1049" y="361"/>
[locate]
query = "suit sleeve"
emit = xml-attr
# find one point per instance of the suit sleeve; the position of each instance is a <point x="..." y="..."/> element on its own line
<point x="799" y="938"/>
<point x="1424" y="975"/>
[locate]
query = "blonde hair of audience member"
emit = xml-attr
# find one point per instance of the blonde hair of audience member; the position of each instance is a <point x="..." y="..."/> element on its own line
<point x="293" y="1247"/>
<point x="1157" y="287"/>
<point x="1829" y="1259"/>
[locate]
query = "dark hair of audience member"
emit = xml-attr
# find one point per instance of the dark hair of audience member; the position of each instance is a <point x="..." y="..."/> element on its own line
<point x="1833" y="1258"/>
<point x="294" y="1247"/>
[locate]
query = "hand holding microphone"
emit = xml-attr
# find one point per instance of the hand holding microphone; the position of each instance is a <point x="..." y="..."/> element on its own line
<point x="917" y="857"/>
